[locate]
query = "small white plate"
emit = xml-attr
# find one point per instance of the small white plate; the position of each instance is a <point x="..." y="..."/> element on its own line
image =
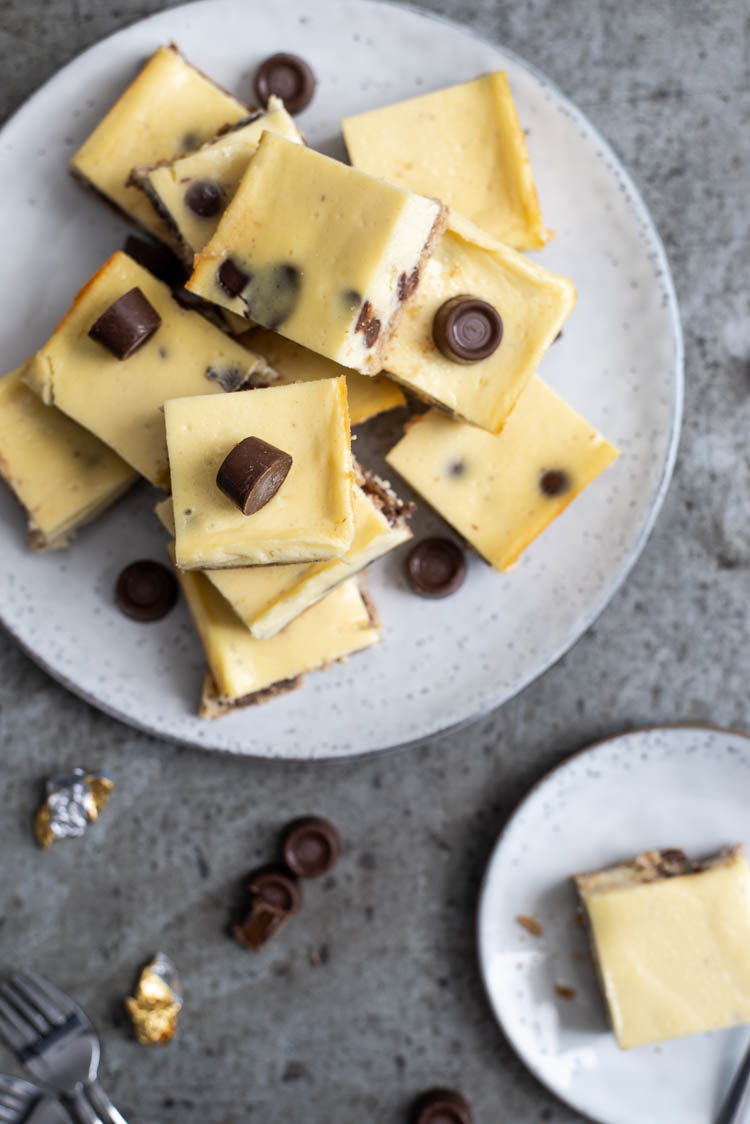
<point x="619" y="362"/>
<point x="675" y="786"/>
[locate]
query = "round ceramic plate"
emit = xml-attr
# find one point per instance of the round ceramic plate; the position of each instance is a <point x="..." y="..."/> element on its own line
<point x="667" y="787"/>
<point x="619" y="362"/>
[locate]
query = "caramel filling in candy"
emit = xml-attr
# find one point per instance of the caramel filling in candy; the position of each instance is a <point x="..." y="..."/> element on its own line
<point x="126" y="325"/>
<point x="252" y="473"/>
<point x="289" y="78"/>
<point x="467" y="330"/>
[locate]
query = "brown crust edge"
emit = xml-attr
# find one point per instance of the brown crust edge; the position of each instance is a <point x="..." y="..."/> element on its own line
<point x="212" y="705"/>
<point x="438" y="229"/>
<point x="383" y="495"/>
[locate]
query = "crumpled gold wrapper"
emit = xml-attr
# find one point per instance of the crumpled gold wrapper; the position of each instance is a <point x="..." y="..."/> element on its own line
<point x="74" y="800"/>
<point x="156" y="1005"/>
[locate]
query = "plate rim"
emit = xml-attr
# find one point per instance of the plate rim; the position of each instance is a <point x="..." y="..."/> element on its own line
<point x="590" y="748"/>
<point x="677" y="409"/>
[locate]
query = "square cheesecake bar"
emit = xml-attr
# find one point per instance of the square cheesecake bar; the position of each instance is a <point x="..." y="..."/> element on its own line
<point x="310" y="517"/>
<point x="501" y="490"/>
<point x="268" y="598"/>
<point x="120" y="400"/>
<point x="245" y="671"/>
<point x="464" y="145"/>
<point x="61" y="474"/>
<point x="532" y="304"/>
<point x="671" y="943"/>
<point x="368" y="395"/>
<point x="191" y="192"/>
<point x="168" y="109"/>
<point x="318" y="251"/>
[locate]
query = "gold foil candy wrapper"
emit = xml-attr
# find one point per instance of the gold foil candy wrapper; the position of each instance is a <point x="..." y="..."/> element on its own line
<point x="157" y="1002"/>
<point x="73" y="801"/>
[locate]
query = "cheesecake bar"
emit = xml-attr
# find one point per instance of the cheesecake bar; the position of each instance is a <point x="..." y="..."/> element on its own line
<point x="168" y="109"/>
<point x="120" y="399"/>
<point x="191" y="193"/>
<point x="267" y="598"/>
<point x="671" y="942"/>
<point x="310" y="517"/>
<point x="464" y="145"/>
<point x="501" y="491"/>
<point x="530" y="302"/>
<point x="290" y="362"/>
<point x="318" y="251"/>
<point x="245" y="671"/>
<point x="61" y="474"/>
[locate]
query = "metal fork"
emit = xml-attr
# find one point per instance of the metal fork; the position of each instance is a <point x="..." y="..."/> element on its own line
<point x="56" y="1042"/>
<point x="23" y="1103"/>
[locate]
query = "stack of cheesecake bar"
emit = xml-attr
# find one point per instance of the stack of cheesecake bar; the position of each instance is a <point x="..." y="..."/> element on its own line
<point x="324" y="289"/>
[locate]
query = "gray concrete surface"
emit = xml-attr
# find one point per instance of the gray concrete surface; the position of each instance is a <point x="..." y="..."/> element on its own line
<point x="375" y="993"/>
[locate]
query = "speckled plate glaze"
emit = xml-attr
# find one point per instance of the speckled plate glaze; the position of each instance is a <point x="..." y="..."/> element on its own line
<point x="619" y="361"/>
<point x="673" y="786"/>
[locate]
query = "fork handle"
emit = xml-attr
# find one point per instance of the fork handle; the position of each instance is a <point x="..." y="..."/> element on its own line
<point x="82" y="1109"/>
<point x="103" y="1104"/>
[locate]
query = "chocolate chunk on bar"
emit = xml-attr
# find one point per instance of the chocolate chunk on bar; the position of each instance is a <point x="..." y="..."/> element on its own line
<point x="467" y="330"/>
<point x="252" y="473"/>
<point x="126" y="324"/>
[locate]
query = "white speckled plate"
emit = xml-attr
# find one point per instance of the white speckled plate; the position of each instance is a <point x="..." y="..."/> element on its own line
<point x="675" y="786"/>
<point x="619" y="361"/>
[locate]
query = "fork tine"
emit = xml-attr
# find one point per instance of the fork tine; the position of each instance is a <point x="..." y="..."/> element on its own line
<point x="47" y="999"/>
<point x="10" y="1100"/>
<point x="17" y="1085"/>
<point x="17" y="1033"/>
<point x="27" y="1010"/>
<point x="9" y="1115"/>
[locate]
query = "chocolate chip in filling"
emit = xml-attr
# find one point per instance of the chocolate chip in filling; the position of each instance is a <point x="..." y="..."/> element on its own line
<point x="126" y="325"/>
<point x="467" y="330"/>
<point x="231" y="277"/>
<point x="204" y="198"/>
<point x="554" y="482"/>
<point x="368" y="324"/>
<point x="252" y="473"/>
<point x="272" y="294"/>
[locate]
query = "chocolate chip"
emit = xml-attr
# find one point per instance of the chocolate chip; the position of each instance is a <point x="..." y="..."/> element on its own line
<point x="466" y="329"/>
<point x="436" y="567"/>
<point x="311" y="846"/>
<point x="351" y="298"/>
<point x="289" y="78"/>
<point x="126" y="325"/>
<point x="275" y="896"/>
<point x="554" y="482"/>
<point x="146" y="591"/>
<point x="441" y="1106"/>
<point x="204" y="198"/>
<point x="368" y="324"/>
<point x="457" y="468"/>
<point x="229" y="377"/>
<point x="231" y="278"/>
<point x="156" y="259"/>
<point x="272" y="294"/>
<point x="252" y="473"/>
<point x="407" y="285"/>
